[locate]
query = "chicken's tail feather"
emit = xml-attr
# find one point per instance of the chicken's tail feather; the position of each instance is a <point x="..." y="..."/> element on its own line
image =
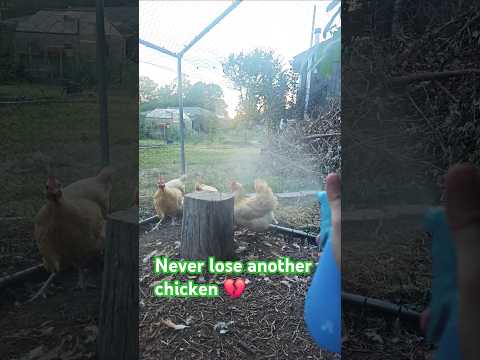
<point x="105" y="175"/>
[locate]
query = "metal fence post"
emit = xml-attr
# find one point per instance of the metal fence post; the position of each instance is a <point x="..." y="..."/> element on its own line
<point x="180" y="112"/>
<point x="179" y="56"/>
<point x="102" y="84"/>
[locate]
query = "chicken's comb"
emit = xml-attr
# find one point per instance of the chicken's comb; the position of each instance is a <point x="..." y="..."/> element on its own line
<point x="52" y="180"/>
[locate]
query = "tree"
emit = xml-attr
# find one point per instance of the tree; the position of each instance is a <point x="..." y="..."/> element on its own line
<point x="263" y="84"/>
<point x="148" y="89"/>
<point x="206" y="96"/>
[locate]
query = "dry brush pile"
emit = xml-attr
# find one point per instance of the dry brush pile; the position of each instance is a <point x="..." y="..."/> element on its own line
<point x="427" y="79"/>
<point x="313" y="143"/>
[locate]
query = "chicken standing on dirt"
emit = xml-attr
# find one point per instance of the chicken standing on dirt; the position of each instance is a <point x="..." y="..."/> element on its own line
<point x="256" y="212"/>
<point x="70" y="228"/>
<point x="168" y="201"/>
<point x="203" y="187"/>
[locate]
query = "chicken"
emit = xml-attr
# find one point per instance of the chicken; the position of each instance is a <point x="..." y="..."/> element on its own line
<point x="178" y="183"/>
<point x="168" y="201"/>
<point x="96" y="189"/>
<point x="256" y="212"/>
<point x="70" y="227"/>
<point x="203" y="187"/>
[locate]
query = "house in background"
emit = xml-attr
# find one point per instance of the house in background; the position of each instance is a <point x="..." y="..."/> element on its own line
<point x="61" y="44"/>
<point x="156" y="122"/>
<point x="314" y="89"/>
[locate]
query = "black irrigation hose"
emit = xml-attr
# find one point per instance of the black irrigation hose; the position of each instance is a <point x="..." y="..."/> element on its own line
<point x="148" y="220"/>
<point x="381" y="305"/>
<point x="297" y="233"/>
<point x="21" y="275"/>
<point x="355" y="299"/>
<point x="281" y="229"/>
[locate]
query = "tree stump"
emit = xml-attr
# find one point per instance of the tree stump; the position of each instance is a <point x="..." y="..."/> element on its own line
<point x="118" y="321"/>
<point x="207" y="227"/>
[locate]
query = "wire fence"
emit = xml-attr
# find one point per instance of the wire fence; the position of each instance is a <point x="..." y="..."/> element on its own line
<point x="49" y="104"/>
<point x="165" y="29"/>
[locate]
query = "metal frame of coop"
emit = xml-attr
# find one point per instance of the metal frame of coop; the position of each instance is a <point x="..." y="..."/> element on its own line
<point x="179" y="57"/>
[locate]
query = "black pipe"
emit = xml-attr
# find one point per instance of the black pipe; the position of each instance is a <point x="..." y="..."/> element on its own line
<point x="148" y="220"/>
<point x="102" y="83"/>
<point x="297" y="233"/>
<point x="21" y="275"/>
<point x="381" y="305"/>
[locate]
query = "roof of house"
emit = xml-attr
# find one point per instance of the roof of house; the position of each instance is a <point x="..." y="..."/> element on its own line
<point x="299" y="59"/>
<point x="14" y="21"/>
<point x="167" y="113"/>
<point x="60" y="22"/>
<point x="124" y="18"/>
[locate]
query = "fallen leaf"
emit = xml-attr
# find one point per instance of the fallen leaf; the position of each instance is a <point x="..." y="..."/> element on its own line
<point x="174" y="326"/>
<point x="222" y="326"/>
<point x="372" y="335"/>
<point x="240" y="249"/>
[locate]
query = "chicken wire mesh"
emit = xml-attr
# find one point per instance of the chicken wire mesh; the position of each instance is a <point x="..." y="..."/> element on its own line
<point x="49" y="104"/>
<point x="264" y="25"/>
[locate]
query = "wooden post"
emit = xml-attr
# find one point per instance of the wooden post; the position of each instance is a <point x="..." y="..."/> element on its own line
<point x="207" y="228"/>
<point x="118" y="321"/>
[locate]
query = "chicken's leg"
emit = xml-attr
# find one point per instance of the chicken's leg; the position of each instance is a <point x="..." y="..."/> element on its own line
<point x="82" y="283"/>
<point x="158" y="224"/>
<point x="42" y="289"/>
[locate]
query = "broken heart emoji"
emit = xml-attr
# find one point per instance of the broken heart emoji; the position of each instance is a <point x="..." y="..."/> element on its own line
<point x="234" y="288"/>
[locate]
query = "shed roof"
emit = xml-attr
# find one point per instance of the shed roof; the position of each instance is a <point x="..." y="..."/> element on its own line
<point x="167" y="113"/>
<point x="60" y="22"/>
<point x="124" y="18"/>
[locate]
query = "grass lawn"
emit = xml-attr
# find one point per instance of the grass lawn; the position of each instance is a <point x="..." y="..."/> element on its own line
<point x="30" y="90"/>
<point x="68" y="134"/>
<point x="217" y="165"/>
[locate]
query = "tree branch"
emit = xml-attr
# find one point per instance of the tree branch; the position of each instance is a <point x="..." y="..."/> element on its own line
<point x="432" y="75"/>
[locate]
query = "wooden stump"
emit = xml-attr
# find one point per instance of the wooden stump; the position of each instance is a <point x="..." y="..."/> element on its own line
<point x="118" y="321"/>
<point x="207" y="228"/>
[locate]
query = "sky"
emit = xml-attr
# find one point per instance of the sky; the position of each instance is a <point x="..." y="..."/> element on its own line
<point x="284" y="26"/>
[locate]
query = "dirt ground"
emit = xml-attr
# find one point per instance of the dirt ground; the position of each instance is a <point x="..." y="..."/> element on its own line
<point x="64" y="324"/>
<point x="61" y="326"/>
<point x="266" y="322"/>
<point x="390" y="261"/>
